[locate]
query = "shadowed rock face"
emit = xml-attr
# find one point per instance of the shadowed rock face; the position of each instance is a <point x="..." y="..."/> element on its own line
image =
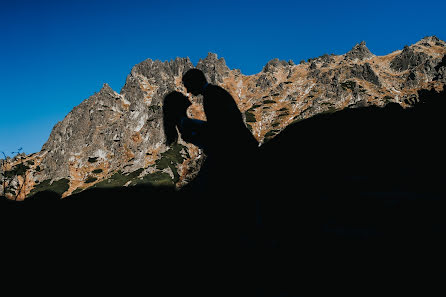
<point x="408" y="59"/>
<point x="117" y="139"/>
<point x="365" y="72"/>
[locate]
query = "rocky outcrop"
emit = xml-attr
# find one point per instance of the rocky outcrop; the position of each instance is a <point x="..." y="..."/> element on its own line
<point x="365" y="72"/>
<point x="408" y="59"/>
<point x="359" y="52"/>
<point x="215" y="69"/>
<point x="117" y="139"/>
<point x="440" y="70"/>
<point x="272" y="65"/>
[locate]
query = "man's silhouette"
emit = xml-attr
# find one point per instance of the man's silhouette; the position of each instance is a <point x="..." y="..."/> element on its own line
<point x="231" y="150"/>
<point x="230" y="146"/>
<point x="228" y="137"/>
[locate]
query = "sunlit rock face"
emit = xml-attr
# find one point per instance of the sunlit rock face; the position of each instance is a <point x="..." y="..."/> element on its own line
<point x="117" y="139"/>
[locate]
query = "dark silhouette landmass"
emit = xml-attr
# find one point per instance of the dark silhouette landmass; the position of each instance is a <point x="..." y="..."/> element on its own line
<point x="356" y="196"/>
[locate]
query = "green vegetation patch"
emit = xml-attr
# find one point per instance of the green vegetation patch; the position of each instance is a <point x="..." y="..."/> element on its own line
<point x="19" y="169"/>
<point x="78" y="190"/>
<point x="348" y="85"/>
<point x="96" y="171"/>
<point x="172" y="158"/>
<point x="154" y="108"/>
<point x="270" y="134"/>
<point x="90" y="179"/>
<point x="284" y="114"/>
<point x="155" y="179"/>
<point x="249" y="127"/>
<point x="387" y="99"/>
<point x="92" y="159"/>
<point x="118" y="179"/>
<point x="296" y="119"/>
<point x="59" y="186"/>
<point x="10" y="191"/>
<point x="269" y="101"/>
<point x="250" y="117"/>
<point x="329" y="110"/>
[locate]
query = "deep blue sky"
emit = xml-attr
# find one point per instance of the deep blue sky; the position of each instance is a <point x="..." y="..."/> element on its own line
<point x="55" y="54"/>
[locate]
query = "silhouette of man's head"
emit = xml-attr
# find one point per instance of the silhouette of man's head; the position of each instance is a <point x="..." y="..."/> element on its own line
<point x="194" y="81"/>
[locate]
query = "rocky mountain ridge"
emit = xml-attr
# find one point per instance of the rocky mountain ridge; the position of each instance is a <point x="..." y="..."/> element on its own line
<point x="117" y="139"/>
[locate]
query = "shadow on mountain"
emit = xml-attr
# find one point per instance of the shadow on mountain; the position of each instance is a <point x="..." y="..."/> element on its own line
<point x="366" y="173"/>
<point x="355" y="196"/>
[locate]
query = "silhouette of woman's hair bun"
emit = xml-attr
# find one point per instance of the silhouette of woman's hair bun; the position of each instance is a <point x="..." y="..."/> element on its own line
<point x="174" y="107"/>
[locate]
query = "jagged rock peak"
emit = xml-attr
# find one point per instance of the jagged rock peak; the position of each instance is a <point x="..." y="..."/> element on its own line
<point x="150" y="68"/>
<point x="431" y="40"/>
<point x="359" y="51"/>
<point x="212" y="59"/>
<point x="106" y="89"/>
<point x="215" y="69"/>
<point x="274" y="63"/>
<point x="105" y="92"/>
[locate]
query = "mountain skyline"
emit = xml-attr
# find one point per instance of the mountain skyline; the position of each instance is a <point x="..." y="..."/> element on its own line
<point x="58" y="54"/>
<point x="117" y="139"/>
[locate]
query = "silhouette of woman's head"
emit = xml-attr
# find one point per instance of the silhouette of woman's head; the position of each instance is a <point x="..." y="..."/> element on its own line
<point x="194" y="80"/>
<point x="174" y="108"/>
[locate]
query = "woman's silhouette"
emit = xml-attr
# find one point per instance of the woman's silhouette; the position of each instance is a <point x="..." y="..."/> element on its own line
<point x="175" y="120"/>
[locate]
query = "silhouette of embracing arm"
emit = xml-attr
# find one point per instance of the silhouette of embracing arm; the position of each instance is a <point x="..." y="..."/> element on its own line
<point x="193" y="131"/>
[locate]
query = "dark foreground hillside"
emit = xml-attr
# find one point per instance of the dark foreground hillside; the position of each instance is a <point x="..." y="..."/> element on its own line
<point x="352" y="197"/>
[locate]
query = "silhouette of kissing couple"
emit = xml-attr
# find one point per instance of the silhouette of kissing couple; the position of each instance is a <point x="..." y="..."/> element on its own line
<point x="223" y="137"/>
